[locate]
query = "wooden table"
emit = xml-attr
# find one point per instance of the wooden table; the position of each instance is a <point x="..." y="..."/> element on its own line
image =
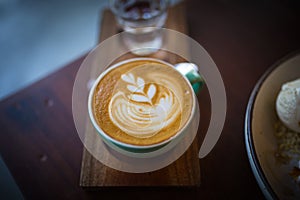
<point x="42" y="150"/>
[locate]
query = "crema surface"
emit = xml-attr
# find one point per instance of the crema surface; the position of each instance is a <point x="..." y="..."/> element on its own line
<point x="142" y="102"/>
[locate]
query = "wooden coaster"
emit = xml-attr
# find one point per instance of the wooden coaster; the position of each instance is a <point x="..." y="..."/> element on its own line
<point x="183" y="172"/>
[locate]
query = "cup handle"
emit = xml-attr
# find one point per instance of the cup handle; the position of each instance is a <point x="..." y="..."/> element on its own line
<point x="190" y="71"/>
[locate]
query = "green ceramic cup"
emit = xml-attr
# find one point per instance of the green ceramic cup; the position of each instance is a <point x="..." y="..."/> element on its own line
<point x="190" y="74"/>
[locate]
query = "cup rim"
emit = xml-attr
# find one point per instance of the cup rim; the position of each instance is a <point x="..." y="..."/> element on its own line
<point x="102" y="133"/>
<point x="117" y="13"/>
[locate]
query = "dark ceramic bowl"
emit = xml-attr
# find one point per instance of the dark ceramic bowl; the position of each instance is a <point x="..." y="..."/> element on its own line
<point x="261" y="144"/>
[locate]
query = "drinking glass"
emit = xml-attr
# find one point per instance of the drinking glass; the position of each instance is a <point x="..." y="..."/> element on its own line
<point x="142" y="21"/>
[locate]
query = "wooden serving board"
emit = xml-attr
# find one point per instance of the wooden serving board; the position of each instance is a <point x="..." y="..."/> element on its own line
<point x="183" y="172"/>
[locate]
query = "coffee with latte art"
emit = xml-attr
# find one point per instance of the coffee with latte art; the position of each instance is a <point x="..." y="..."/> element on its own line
<point x="142" y="102"/>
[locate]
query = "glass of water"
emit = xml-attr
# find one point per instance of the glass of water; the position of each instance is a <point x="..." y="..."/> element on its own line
<point x="142" y="21"/>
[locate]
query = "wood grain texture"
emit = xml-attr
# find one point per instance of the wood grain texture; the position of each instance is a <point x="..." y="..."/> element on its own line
<point x="183" y="172"/>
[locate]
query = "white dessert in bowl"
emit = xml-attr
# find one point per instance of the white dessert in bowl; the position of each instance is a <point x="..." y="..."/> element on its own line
<point x="288" y="105"/>
<point x="287" y="133"/>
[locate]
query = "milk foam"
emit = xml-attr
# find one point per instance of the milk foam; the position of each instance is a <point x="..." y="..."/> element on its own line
<point x="144" y="103"/>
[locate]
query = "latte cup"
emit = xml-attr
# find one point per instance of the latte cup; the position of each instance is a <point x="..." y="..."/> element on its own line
<point x="141" y="105"/>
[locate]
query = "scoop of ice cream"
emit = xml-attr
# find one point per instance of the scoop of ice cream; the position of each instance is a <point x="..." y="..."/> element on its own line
<point x="288" y="105"/>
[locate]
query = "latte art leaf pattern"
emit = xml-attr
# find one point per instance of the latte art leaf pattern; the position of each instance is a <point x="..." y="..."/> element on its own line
<point x="133" y="88"/>
<point x="138" y="87"/>
<point x="139" y="98"/>
<point x="144" y="97"/>
<point x="135" y="110"/>
<point x="140" y="81"/>
<point x="151" y="91"/>
<point x="142" y="102"/>
<point x="128" y="78"/>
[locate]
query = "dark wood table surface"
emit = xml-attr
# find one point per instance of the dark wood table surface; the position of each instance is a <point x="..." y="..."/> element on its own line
<point x="40" y="145"/>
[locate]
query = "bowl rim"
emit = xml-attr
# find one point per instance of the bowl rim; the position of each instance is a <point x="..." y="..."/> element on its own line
<point x="250" y="147"/>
